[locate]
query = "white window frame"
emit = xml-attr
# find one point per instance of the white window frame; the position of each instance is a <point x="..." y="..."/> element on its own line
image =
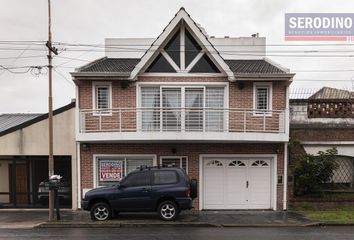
<point x="94" y="98"/>
<point x="268" y="111"/>
<point x="183" y="69"/>
<point x="96" y="157"/>
<point x="184" y="85"/>
<point x="174" y="157"/>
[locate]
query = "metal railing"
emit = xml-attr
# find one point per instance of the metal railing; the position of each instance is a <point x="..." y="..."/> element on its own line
<point x="182" y="120"/>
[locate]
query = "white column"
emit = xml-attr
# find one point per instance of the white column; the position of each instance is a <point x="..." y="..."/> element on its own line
<point x="285" y="180"/>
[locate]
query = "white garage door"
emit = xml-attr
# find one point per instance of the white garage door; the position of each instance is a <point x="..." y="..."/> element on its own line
<point x="237" y="183"/>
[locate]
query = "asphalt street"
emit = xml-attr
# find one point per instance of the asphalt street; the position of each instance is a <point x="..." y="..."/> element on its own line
<point x="293" y="233"/>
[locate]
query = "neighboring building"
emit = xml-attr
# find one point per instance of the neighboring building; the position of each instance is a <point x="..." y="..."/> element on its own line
<point x="24" y="156"/>
<point x="191" y="100"/>
<point x="323" y="121"/>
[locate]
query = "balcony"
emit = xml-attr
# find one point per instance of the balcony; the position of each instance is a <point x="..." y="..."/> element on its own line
<point x="182" y="124"/>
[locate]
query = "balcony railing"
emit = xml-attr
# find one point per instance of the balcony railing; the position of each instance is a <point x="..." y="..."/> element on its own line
<point x="182" y="120"/>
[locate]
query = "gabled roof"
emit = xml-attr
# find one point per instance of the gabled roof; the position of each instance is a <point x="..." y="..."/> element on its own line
<point x="104" y="65"/>
<point x="151" y="53"/>
<point x="126" y="65"/>
<point x="253" y="66"/>
<point x="327" y="93"/>
<point x="11" y="122"/>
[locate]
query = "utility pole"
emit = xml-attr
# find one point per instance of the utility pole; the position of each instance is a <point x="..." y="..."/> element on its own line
<point x="51" y="50"/>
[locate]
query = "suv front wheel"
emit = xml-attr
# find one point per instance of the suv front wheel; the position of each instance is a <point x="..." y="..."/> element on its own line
<point x="101" y="211"/>
<point x="168" y="211"/>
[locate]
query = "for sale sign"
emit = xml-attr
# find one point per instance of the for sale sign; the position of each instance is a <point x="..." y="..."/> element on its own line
<point x="110" y="170"/>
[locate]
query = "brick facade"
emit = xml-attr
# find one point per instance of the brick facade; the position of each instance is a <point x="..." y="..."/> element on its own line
<point x="124" y="96"/>
<point x="191" y="150"/>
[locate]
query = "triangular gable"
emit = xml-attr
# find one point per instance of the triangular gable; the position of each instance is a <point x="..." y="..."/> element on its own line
<point x="167" y="36"/>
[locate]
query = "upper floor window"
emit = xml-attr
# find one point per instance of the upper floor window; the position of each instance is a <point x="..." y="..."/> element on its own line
<point x="102" y="97"/>
<point x="182" y="54"/>
<point x="188" y="108"/>
<point x="262" y="98"/>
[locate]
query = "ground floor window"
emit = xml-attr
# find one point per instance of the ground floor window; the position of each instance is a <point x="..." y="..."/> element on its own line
<point x="111" y="169"/>
<point x="175" y="161"/>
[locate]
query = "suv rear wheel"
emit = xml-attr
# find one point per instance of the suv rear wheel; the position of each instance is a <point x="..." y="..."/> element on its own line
<point x="168" y="211"/>
<point x="101" y="211"/>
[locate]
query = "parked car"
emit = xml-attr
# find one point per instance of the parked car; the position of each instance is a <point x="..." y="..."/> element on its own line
<point x="165" y="190"/>
<point x="64" y="191"/>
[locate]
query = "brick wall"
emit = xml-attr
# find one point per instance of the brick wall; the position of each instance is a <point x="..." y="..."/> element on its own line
<point x="322" y="134"/>
<point x="192" y="150"/>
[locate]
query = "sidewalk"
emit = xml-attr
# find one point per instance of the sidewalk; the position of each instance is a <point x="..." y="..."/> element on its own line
<point x="38" y="218"/>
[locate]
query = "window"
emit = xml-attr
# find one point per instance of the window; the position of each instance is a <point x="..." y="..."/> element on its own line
<point x="188" y="108"/>
<point x="182" y="53"/>
<point x="102" y="97"/>
<point x="110" y="170"/>
<point x="262" y="98"/>
<point x="160" y="64"/>
<point x="164" y="177"/>
<point x="137" y="179"/>
<point x="175" y="161"/>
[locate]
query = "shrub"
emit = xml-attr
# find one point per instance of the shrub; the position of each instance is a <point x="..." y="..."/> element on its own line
<point x="313" y="171"/>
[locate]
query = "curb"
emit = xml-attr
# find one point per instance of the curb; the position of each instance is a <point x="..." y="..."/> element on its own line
<point x="175" y="224"/>
<point x="121" y="225"/>
<point x="335" y="224"/>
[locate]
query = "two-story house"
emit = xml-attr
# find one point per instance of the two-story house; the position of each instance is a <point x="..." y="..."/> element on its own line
<point x="213" y="106"/>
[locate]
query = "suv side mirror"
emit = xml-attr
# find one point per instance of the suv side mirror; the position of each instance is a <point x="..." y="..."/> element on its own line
<point x="121" y="186"/>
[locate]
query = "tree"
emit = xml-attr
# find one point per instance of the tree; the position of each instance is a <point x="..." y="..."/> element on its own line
<point x="314" y="170"/>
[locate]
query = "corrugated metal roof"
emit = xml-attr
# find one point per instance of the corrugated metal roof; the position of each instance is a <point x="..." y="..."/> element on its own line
<point x="126" y="65"/>
<point x="10" y="120"/>
<point x="332" y="93"/>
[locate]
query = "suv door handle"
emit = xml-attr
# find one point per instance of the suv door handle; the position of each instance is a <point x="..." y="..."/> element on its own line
<point x="247" y="184"/>
<point x="145" y="190"/>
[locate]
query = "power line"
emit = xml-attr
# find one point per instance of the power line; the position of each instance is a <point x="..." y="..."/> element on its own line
<point x="21" y="57"/>
<point x="62" y="75"/>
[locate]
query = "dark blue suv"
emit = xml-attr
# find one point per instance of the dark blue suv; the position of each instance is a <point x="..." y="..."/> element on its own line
<point x="163" y="189"/>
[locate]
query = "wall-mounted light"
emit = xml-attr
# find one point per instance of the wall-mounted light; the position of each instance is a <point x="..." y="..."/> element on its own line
<point x="124" y="84"/>
<point x="240" y="85"/>
<point x="174" y="150"/>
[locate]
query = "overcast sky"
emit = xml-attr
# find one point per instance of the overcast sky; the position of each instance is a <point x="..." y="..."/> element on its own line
<point x="90" y="21"/>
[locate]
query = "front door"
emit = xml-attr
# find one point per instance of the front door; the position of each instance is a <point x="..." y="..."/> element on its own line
<point x="21" y="176"/>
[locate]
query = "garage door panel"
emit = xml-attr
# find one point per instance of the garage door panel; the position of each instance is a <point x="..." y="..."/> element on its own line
<point x="235" y="191"/>
<point x="214" y="181"/>
<point x="259" y="185"/>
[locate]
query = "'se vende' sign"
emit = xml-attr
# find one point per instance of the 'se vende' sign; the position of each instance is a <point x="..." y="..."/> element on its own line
<point x="319" y="26"/>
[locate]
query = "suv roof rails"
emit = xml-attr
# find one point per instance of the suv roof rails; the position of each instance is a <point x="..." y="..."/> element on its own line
<point x="159" y="166"/>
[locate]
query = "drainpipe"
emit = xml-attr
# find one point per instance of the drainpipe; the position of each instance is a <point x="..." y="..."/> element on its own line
<point x="287" y="129"/>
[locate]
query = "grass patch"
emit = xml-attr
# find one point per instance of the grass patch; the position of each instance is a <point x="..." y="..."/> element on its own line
<point x="340" y="216"/>
<point x="312" y="208"/>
